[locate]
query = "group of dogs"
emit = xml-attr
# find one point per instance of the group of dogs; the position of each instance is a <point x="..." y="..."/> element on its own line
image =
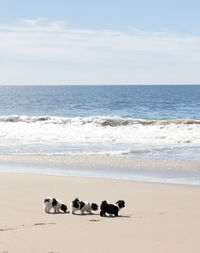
<point x="83" y="206"/>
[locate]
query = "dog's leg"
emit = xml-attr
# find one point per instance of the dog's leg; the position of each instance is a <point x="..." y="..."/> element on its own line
<point x="47" y="209"/>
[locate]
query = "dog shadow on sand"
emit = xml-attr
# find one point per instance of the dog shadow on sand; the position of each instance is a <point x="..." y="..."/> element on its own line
<point x="85" y="214"/>
<point x="93" y="214"/>
<point x="109" y="217"/>
<point x="58" y="212"/>
<point x="115" y="217"/>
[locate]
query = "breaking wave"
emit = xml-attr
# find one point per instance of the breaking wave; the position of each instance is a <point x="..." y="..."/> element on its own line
<point x="98" y="120"/>
<point x="100" y="134"/>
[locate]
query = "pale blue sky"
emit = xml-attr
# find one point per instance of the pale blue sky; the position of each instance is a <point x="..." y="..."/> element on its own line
<point x="149" y="15"/>
<point x="99" y="42"/>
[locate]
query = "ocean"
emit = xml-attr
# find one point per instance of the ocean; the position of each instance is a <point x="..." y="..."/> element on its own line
<point x="139" y="121"/>
<point x="155" y="122"/>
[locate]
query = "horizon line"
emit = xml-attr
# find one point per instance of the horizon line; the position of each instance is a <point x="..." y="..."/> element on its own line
<point x="148" y="84"/>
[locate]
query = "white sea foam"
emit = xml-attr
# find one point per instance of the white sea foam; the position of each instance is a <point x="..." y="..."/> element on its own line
<point x="47" y="134"/>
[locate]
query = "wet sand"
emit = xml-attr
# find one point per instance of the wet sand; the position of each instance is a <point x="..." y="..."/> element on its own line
<point x="185" y="172"/>
<point x="102" y="162"/>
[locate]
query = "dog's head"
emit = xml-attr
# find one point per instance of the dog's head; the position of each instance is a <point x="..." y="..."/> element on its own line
<point x="120" y="203"/>
<point x="63" y="208"/>
<point x="94" y="206"/>
<point x="75" y="203"/>
<point x="47" y="200"/>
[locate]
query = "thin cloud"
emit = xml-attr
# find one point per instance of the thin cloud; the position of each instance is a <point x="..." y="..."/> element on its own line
<point x="41" y="33"/>
<point x="40" y="40"/>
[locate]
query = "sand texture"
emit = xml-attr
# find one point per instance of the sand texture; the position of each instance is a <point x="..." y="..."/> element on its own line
<point x="157" y="218"/>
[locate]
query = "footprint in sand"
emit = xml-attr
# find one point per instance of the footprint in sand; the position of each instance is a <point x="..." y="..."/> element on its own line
<point x="94" y="220"/>
<point x="42" y="223"/>
<point x="53" y="252"/>
<point x="5" y="229"/>
<point x="35" y="224"/>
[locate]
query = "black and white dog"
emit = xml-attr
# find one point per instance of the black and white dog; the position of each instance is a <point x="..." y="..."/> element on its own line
<point x="83" y="206"/>
<point x="111" y="209"/>
<point x="57" y="205"/>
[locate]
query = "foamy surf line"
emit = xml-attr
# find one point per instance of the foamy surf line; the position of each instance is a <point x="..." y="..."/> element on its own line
<point x="102" y="166"/>
<point x="162" y="139"/>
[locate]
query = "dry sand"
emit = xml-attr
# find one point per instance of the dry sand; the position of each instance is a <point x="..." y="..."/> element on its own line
<point x="157" y="218"/>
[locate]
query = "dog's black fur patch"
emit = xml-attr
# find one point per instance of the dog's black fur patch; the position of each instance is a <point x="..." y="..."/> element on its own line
<point x="75" y="203"/>
<point x="63" y="208"/>
<point x="78" y="204"/>
<point x="120" y="203"/>
<point x="111" y="208"/>
<point x="54" y="203"/>
<point x="81" y="204"/>
<point x="94" y="206"/>
<point x="46" y="200"/>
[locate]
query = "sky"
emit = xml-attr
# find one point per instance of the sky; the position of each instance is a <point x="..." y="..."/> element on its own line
<point x="63" y="42"/>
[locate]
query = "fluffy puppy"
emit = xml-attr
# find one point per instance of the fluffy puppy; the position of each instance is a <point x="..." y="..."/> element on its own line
<point x="111" y="209"/>
<point x="52" y="203"/>
<point x="83" y="206"/>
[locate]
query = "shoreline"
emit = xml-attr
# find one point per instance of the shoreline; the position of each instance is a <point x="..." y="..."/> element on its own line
<point x="101" y="166"/>
<point x="157" y="218"/>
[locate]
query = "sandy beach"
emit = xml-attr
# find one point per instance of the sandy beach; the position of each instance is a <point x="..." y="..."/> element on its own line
<point x="157" y="217"/>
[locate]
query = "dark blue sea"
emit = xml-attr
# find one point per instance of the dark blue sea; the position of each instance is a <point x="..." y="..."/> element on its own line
<point x="139" y="121"/>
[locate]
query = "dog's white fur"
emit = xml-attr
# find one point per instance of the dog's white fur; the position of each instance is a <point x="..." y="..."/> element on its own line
<point x="48" y="205"/>
<point x="86" y="208"/>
